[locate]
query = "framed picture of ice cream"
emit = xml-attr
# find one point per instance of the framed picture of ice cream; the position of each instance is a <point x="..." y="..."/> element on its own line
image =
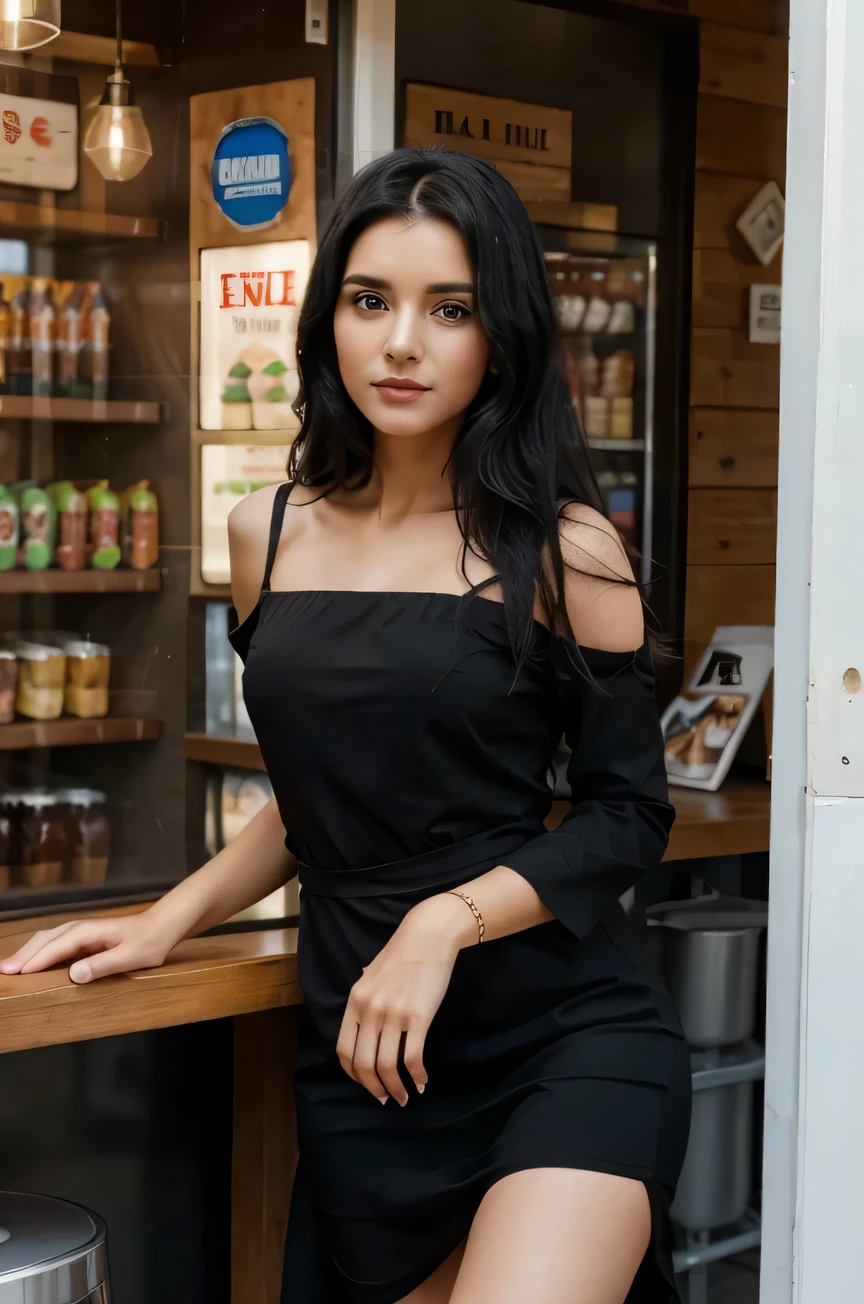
<point x="705" y="725"/>
<point x="250" y="303"/>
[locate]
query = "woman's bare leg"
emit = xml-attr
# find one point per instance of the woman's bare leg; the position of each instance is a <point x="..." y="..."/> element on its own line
<point x="438" y="1288"/>
<point x="554" y="1236"/>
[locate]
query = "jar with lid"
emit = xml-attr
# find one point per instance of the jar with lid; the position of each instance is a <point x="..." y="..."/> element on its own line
<point x="88" y="668"/>
<point x="43" y="841"/>
<point x="8" y="684"/>
<point x="41" y="678"/>
<point x="88" y="834"/>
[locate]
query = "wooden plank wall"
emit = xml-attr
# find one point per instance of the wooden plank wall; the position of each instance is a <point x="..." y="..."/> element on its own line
<point x="734" y="385"/>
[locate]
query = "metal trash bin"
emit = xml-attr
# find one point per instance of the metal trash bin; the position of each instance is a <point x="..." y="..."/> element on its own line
<point x="51" y="1252"/>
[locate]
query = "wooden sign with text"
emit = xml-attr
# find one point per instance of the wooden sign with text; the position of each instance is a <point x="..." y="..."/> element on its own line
<point x="530" y="144"/>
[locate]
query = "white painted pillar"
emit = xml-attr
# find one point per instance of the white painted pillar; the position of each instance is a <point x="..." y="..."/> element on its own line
<point x="374" y="77"/>
<point x="814" y="1124"/>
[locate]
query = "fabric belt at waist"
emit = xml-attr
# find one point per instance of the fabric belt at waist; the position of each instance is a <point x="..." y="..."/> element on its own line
<point x="442" y="867"/>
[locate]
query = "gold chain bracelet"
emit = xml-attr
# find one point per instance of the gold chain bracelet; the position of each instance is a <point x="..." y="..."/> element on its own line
<point x="469" y="901"/>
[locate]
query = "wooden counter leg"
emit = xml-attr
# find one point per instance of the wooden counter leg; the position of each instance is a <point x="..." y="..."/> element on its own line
<point x="264" y="1152"/>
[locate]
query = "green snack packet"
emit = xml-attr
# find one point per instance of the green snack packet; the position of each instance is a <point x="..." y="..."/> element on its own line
<point x="38" y="521"/>
<point x="9" y="526"/>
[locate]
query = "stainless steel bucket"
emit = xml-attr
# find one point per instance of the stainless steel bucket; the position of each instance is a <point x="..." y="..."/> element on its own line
<point x="714" y="1188"/>
<point x="51" y="1252"/>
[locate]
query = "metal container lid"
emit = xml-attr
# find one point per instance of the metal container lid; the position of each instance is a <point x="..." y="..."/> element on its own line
<point x="722" y="915"/>
<point x="82" y="648"/>
<point x="37" y="652"/>
<point x="57" y="1244"/>
<point x="6" y="654"/>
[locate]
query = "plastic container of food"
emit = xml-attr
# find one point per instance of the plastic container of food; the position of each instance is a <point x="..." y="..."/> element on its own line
<point x="8" y="683"/>
<point x="104" y="527"/>
<point x="88" y="670"/>
<point x="8" y="528"/>
<point x="41" y="681"/>
<point x="37" y="525"/>
<point x="43" y="841"/>
<point x="139" y="510"/>
<point x="71" y="506"/>
<point x="89" y="835"/>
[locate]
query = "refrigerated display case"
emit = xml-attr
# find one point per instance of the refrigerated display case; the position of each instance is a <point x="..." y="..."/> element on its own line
<point x="604" y="291"/>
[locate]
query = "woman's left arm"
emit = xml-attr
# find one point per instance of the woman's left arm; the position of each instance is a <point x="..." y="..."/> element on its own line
<point x="616" y="830"/>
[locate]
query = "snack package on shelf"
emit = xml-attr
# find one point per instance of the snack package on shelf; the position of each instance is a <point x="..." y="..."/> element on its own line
<point x="9" y="525"/>
<point x="43" y="332"/>
<point x="17" y="291"/>
<point x="41" y="681"/>
<point x="8" y="684"/>
<point x="70" y="504"/>
<point x="139" y="526"/>
<point x="37" y="528"/>
<point x="96" y="327"/>
<point x="104" y="527"/>
<point x="68" y="379"/>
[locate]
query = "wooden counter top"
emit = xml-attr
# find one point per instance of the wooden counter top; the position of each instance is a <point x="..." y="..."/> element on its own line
<point x="205" y="978"/>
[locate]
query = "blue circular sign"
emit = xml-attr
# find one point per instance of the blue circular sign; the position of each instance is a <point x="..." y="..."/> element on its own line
<point x="252" y="172"/>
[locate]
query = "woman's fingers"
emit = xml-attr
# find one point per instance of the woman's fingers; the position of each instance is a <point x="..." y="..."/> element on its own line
<point x="15" y="963"/>
<point x="366" y="1055"/>
<point x="414" y="1044"/>
<point x="347" y="1041"/>
<point x="83" y="939"/>
<point x="387" y="1064"/>
<point x="117" y="959"/>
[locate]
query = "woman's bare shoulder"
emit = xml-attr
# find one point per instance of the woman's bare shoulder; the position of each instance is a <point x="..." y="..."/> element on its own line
<point x="602" y="597"/>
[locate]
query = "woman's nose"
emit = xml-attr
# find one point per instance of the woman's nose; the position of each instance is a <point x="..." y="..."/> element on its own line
<point x="404" y="342"/>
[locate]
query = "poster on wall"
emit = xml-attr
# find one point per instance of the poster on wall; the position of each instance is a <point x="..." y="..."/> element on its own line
<point x="251" y="172"/>
<point x="38" y="143"/>
<point x="228" y="473"/>
<point x="250" y="304"/>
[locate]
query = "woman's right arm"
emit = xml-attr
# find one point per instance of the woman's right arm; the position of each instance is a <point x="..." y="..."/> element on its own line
<point x="255" y="864"/>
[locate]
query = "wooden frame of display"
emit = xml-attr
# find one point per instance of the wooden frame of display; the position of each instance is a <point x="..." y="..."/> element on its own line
<point x="292" y="105"/>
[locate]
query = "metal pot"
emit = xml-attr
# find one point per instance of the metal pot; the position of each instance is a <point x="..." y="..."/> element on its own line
<point x="51" y="1252"/>
<point x="710" y="962"/>
<point x="714" y="1188"/>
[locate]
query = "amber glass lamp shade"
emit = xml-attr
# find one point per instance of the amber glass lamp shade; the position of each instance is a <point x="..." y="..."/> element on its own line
<point x="24" y="24"/>
<point x="117" y="139"/>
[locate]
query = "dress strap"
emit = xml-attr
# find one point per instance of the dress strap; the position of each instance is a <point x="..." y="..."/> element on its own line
<point x="276" y="519"/>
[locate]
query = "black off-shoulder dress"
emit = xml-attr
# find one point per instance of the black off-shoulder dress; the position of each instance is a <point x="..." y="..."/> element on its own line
<point x="407" y="757"/>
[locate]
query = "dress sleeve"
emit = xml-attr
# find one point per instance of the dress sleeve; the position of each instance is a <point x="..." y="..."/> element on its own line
<point x="619" y="823"/>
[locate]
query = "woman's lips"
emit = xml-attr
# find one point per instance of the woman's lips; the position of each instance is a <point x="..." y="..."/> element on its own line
<point x="393" y="390"/>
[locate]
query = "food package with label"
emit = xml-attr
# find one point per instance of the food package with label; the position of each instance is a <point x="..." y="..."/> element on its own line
<point x="139" y="526"/>
<point x="70" y="505"/>
<point x="41" y="681"/>
<point x="8" y="528"/>
<point x="88" y="670"/>
<point x="43" y="333"/>
<point x="89" y="835"/>
<point x="16" y="291"/>
<point x="104" y="508"/>
<point x="618" y="375"/>
<point x="95" y="337"/>
<point x="621" y="426"/>
<point x="37" y="520"/>
<point x="42" y="839"/>
<point x="596" y="417"/>
<point x="8" y="684"/>
<point x="68" y="379"/>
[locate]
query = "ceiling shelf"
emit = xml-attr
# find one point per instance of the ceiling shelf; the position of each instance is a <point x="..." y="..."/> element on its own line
<point x="17" y="582"/>
<point x="72" y="732"/>
<point x="118" y="411"/>
<point x="215" y="749"/>
<point x="46" y="224"/>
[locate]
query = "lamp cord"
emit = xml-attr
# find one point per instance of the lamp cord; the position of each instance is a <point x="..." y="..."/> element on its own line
<point x="119" y="60"/>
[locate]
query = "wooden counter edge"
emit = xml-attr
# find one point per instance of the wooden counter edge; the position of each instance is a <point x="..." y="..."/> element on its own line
<point x="179" y="992"/>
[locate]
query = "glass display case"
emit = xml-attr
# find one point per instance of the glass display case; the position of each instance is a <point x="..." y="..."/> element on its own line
<point x="604" y="293"/>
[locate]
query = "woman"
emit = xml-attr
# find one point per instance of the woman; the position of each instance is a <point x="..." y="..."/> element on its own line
<point x="423" y="611"/>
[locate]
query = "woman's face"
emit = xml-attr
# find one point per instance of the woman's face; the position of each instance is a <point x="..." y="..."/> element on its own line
<point x="412" y="352"/>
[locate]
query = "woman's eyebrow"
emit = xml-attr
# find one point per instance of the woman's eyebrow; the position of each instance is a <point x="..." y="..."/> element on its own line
<point x="375" y="282"/>
<point x="450" y="287"/>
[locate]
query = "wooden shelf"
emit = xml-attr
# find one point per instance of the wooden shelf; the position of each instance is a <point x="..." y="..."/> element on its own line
<point x="71" y="732"/>
<point x="45" y="224"/>
<point x="118" y="411"/>
<point x="211" y="749"/>
<point x="17" y="582"/>
<point x="83" y="47"/>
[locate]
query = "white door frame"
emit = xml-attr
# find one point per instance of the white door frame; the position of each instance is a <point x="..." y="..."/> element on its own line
<point x="374" y="77"/>
<point x="814" y="1119"/>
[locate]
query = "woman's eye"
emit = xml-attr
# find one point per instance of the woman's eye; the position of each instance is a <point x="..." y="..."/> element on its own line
<point x="453" y="312"/>
<point x="371" y="302"/>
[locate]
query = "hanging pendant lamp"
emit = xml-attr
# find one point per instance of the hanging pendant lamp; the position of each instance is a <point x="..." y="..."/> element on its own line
<point x="117" y="139"/>
<point x="24" y="24"/>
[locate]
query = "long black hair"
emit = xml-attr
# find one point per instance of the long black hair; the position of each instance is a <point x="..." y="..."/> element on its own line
<point x="520" y="452"/>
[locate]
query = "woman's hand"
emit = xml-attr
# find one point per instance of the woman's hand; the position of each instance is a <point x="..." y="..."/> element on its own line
<point x="399" y="995"/>
<point x="97" y="946"/>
